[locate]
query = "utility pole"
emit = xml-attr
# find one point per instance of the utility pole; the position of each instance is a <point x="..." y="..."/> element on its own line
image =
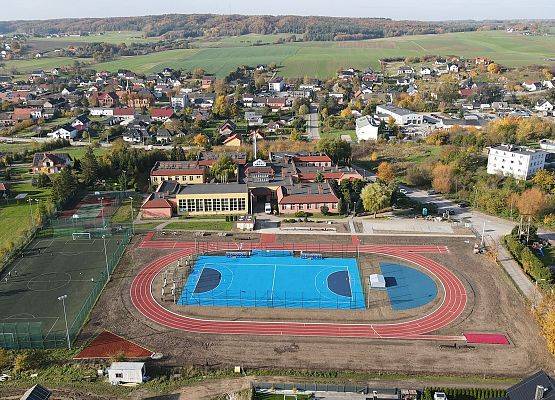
<point x="132" y="216"/>
<point x="106" y="258"/>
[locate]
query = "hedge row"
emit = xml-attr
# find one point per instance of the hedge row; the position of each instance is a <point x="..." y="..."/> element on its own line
<point x="531" y="264"/>
<point x="464" y="393"/>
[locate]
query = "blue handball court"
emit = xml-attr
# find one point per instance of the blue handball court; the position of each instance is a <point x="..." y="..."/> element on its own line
<point x="274" y="279"/>
<point x="407" y="287"/>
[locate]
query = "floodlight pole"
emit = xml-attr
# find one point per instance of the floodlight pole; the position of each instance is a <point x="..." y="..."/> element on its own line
<point x="132" y="216"/>
<point x="31" y="212"/>
<point x="483" y="234"/>
<point x="63" y="298"/>
<point x="102" y="212"/>
<point x="106" y="258"/>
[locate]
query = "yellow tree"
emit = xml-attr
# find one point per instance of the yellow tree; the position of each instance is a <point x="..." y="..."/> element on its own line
<point x="494" y="68"/>
<point x="386" y="172"/>
<point x="443" y="178"/>
<point x="545" y="314"/>
<point x="201" y="140"/>
<point x="532" y="202"/>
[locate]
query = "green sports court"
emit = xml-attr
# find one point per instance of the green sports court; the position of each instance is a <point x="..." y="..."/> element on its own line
<point x="50" y="267"/>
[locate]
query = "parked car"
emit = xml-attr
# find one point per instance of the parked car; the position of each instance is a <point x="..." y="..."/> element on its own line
<point x="462" y="204"/>
<point x="440" y="396"/>
<point x="431" y="192"/>
<point x="403" y="191"/>
<point x="268" y="208"/>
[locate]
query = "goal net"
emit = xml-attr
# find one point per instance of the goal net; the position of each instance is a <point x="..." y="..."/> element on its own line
<point x="81" y="235"/>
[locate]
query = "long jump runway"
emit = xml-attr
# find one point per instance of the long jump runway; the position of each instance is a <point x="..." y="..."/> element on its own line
<point x="449" y="310"/>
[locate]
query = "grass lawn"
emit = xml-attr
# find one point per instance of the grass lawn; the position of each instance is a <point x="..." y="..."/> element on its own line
<point x="77" y="152"/>
<point x="123" y="213"/>
<point x="111" y="37"/>
<point x="194" y="225"/>
<point x="321" y="59"/>
<point x="16" y="216"/>
<point x="339" y="133"/>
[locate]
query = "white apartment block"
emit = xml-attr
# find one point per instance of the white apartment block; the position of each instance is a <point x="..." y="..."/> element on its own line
<point x="515" y="161"/>
<point x="367" y="128"/>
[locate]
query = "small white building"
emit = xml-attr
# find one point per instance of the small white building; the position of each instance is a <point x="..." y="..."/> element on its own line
<point x="402" y="116"/>
<point x="126" y="372"/>
<point x="544" y="106"/>
<point x="66" y="132"/>
<point x="277" y="84"/>
<point x="101" y="112"/>
<point x="518" y="162"/>
<point x="367" y="128"/>
<point x="377" y="281"/>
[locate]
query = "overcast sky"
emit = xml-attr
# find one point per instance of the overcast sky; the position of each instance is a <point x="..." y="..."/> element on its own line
<point x="398" y="9"/>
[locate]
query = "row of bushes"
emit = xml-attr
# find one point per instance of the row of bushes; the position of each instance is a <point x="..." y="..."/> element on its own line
<point x="464" y="393"/>
<point x="531" y="264"/>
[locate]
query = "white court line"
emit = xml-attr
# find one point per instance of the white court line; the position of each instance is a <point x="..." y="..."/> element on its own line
<point x="273" y="282"/>
<point x="52" y="327"/>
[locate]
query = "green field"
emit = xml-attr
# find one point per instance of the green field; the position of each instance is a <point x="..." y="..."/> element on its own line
<point x="120" y="37"/>
<point x="323" y="59"/>
<point x="193" y="225"/>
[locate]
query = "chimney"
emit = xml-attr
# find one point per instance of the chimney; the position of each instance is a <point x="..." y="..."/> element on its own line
<point x="540" y="390"/>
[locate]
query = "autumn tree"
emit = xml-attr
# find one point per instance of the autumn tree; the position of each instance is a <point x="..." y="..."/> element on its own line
<point x="443" y="178"/>
<point x="545" y="180"/>
<point x="201" y="140"/>
<point x="545" y="313"/>
<point x="224" y="169"/>
<point x="375" y="197"/>
<point x="532" y="202"/>
<point x="494" y="68"/>
<point x="386" y="172"/>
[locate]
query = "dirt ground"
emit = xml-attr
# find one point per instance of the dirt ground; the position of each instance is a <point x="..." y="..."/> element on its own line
<point x="494" y="306"/>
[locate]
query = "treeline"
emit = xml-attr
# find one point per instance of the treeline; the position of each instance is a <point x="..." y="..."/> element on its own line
<point x="175" y="26"/>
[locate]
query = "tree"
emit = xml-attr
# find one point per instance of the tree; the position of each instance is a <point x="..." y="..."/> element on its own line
<point x="198" y="73"/>
<point x="532" y="202"/>
<point x="375" y="197"/>
<point x="201" y="140"/>
<point x="545" y="314"/>
<point x="494" y="68"/>
<point x="342" y="207"/>
<point x="386" y="173"/>
<point x="338" y="150"/>
<point x="325" y="210"/>
<point x="419" y="176"/>
<point x="443" y="178"/>
<point x="545" y="180"/>
<point x="64" y="186"/>
<point x="319" y="176"/>
<point x="303" y="110"/>
<point x="89" y="167"/>
<point x="224" y="169"/>
<point x="5" y="359"/>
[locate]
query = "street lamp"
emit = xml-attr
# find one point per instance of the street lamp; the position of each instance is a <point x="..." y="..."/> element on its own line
<point x="106" y="258"/>
<point x="132" y="216"/>
<point x="102" y="212"/>
<point x="63" y="298"/>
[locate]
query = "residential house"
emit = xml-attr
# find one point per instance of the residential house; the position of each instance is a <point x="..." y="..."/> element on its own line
<point x="107" y="100"/>
<point x="544" y="105"/>
<point x="233" y="141"/>
<point x="277" y="84"/>
<point x="37" y="392"/>
<point x="227" y="128"/>
<point x="67" y="132"/>
<point x="207" y="81"/>
<point x="161" y="114"/>
<point x="163" y="136"/>
<point x="50" y="163"/>
<point x="81" y="123"/>
<point x="539" y="386"/>
<point x="532" y="86"/>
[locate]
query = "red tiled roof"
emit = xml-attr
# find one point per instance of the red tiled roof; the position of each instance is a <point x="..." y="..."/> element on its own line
<point x="108" y="344"/>
<point x="322" y="158"/>
<point x="161" y="112"/>
<point x="309" y="198"/>
<point x="124" y="111"/>
<point x="157" y="203"/>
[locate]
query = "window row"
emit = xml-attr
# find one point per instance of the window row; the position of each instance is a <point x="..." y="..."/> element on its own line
<point x="212" y="205"/>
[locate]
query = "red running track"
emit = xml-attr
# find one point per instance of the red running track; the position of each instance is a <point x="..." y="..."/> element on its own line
<point x="450" y="309"/>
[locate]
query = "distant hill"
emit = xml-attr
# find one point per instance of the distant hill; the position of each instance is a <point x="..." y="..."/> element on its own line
<point x="304" y="28"/>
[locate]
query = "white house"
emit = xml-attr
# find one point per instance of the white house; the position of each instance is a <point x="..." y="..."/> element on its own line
<point x="425" y="71"/>
<point x="277" y="84"/>
<point x="101" y="112"/>
<point x="515" y="161"/>
<point x="367" y="128"/>
<point x="402" y="116"/>
<point x="66" y="132"/>
<point x="127" y="372"/>
<point x="531" y="86"/>
<point x="544" y="106"/>
<point x="180" y="102"/>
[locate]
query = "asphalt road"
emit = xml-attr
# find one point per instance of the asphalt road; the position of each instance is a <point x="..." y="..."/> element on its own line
<point x="313" y="125"/>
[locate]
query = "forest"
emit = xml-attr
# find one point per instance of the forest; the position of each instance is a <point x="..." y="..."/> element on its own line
<point x="176" y="26"/>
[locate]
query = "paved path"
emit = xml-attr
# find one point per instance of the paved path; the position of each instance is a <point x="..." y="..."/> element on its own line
<point x="313" y="125"/>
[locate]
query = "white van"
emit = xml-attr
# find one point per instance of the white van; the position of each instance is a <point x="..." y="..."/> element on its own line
<point x="268" y="208"/>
